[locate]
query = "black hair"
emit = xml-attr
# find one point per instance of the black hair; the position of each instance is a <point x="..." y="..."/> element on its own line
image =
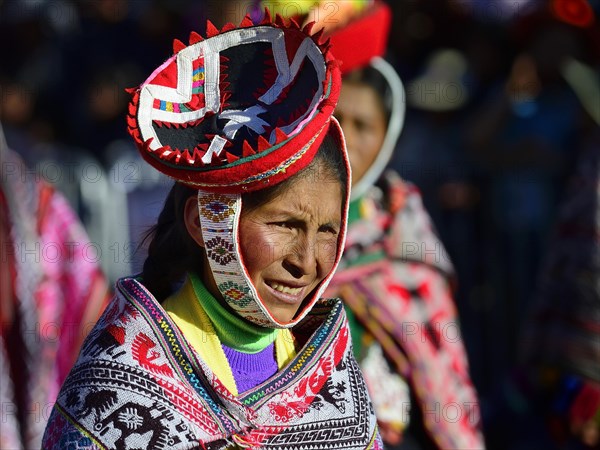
<point x="328" y="161"/>
<point x="373" y="78"/>
<point x="172" y="252"/>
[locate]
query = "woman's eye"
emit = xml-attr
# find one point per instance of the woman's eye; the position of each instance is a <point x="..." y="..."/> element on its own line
<point x="329" y="230"/>
<point x="282" y="224"/>
<point x="362" y="126"/>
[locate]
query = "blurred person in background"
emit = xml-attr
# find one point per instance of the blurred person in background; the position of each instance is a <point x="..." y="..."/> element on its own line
<point x="555" y="387"/>
<point x="51" y="293"/>
<point x="526" y="137"/>
<point x="523" y="140"/>
<point x="37" y="110"/>
<point x="561" y="339"/>
<point x="395" y="275"/>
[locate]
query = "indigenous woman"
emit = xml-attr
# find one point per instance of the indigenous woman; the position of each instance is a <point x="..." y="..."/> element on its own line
<point x="395" y="275"/>
<point x="224" y="340"/>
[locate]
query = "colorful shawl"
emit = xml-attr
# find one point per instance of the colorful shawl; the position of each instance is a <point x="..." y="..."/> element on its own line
<point x="139" y="384"/>
<point x="394" y="277"/>
<point x="51" y="292"/>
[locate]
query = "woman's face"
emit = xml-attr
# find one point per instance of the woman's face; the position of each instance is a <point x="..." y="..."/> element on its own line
<point x="289" y="244"/>
<point x="363" y="121"/>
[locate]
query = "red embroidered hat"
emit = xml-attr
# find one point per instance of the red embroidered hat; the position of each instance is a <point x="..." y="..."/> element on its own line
<point x="363" y="37"/>
<point x="358" y="30"/>
<point x="239" y="111"/>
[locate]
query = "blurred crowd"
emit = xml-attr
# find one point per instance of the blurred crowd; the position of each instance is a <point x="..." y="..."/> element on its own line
<point x="501" y="136"/>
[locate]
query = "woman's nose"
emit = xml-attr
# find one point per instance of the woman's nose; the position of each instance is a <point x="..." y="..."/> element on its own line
<point x="302" y="258"/>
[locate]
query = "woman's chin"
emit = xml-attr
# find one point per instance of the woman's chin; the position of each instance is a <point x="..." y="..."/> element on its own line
<point x="283" y="306"/>
<point x="282" y="313"/>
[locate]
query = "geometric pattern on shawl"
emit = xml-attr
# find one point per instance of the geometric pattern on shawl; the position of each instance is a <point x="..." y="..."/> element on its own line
<point x="139" y="384"/>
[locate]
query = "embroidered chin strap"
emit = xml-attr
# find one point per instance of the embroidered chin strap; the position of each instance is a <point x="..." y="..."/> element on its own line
<point x="219" y="219"/>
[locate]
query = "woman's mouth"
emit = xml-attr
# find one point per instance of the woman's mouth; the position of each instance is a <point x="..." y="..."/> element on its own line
<point x="286" y="289"/>
<point x="285" y="292"/>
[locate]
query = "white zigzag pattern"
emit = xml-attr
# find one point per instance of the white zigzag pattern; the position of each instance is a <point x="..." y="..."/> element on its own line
<point x="210" y="49"/>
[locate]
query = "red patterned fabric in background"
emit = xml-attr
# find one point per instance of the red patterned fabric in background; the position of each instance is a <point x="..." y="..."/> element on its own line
<point x="397" y="282"/>
<point x="52" y="293"/>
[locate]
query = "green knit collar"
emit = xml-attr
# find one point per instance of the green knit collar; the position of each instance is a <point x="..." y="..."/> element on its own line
<point x="232" y="330"/>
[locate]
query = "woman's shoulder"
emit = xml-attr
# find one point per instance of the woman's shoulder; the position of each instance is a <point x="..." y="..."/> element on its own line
<point x="412" y="235"/>
<point x="132" y="312"/>
<point x="397" y="192"/>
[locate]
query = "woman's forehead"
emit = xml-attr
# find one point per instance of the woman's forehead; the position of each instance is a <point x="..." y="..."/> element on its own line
<point x="314" y="192"/>
<point x="359" y="95"/>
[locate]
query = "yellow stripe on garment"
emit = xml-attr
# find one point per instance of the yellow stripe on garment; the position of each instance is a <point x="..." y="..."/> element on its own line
<point x="285" y="347"/>
<point x="197" y="328"/>
<point x="187" y="313"/>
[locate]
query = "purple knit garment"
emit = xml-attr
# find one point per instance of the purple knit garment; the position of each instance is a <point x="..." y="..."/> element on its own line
<point x="251" y="369"/>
